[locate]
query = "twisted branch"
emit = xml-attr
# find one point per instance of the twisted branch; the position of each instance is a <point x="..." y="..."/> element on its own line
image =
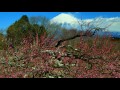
<point x="85" y="34"/>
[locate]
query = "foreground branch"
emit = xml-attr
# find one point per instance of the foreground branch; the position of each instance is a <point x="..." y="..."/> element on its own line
<point x="70" y="38"/>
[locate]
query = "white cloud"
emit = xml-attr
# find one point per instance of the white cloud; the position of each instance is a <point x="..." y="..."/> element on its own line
<point x="115" y="27"/>
<point x="70" y="19"/>
<point x="88" y="20"/>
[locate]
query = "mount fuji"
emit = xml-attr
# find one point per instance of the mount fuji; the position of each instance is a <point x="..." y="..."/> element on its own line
<point x="69" y="21"/>
<point x="66" y="20"/>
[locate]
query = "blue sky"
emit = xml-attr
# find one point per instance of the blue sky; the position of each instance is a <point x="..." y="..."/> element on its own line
<point x="7" y="18"/>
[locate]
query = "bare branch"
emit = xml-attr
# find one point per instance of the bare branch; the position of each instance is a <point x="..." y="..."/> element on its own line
<point x="87" y="34"/>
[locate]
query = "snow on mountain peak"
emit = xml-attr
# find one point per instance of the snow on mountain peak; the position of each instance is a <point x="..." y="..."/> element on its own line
<point x="65" y="19"/>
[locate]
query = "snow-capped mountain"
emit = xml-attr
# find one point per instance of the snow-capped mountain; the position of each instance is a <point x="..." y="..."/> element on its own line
<point x="70" y="21"/>
<point x="65" y="20"/>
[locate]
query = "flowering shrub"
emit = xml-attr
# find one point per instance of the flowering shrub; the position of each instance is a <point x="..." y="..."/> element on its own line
<point x="95" y="58"/>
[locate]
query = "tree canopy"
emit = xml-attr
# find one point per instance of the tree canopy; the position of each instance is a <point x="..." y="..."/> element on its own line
<point x="23" y="28"/>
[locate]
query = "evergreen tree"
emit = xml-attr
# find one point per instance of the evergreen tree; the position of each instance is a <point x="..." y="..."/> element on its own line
<point x="18" y="30"/>
<point x="22" y="28"/>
